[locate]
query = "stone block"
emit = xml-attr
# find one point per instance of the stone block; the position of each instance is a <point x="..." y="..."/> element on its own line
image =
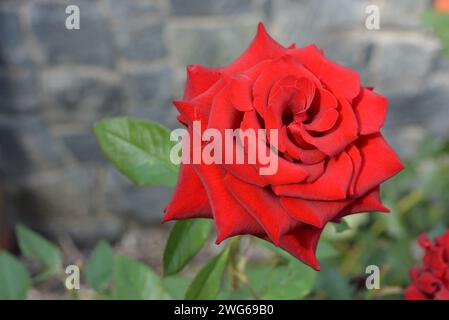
<point x="141" y="42"/>
<point x="81" y="96"/>
<point x="19" y="92"/>
<point x="210" y="45"/>
<point x="84" y="147"/>
<point x="211" y="7"/>
<point x="13" y="50"/>
<point x="91" y="44"/>
<point x="402" y="63"/>
<point x="144" y="84"/>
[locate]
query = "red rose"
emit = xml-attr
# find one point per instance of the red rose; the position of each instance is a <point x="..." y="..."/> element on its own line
<point x="431" y="280"/>
<point x="332" y="157"/>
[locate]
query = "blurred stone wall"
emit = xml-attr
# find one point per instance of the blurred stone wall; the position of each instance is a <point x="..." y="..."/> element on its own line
<point x="129" y="58"/>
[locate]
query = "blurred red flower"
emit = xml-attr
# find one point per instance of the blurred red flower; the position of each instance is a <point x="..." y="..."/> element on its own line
<point x="431" y="280"/>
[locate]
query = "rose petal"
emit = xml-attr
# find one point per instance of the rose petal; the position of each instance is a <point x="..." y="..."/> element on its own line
<point x="379" y="162"/>
<point x="324" y="121"/>
<point x="442" y="294"/>
<point x="333" y="184"/>
<point x="413" y="293"/>
<point x="344" y="132"/>
<point x="189" y="199"/>
<point x="313" y="212"/>
<point x="427" y="283"/>
<point x="283" y="67"/>
<point x="230" y="217"/>
<point x="369" y="202"/>
<point x="199" y="79"/>
<point x="302" y="243"/>
<point x="263" y="205"/>
<point x="340" y="80"/>
<point x="262" y="47"/>
<point x="223" y="115"/>
<point x="241" y="93"/>
<point x="246" y="171"/>
<point x="370" y="109"/>
<point x="356" y="159"/>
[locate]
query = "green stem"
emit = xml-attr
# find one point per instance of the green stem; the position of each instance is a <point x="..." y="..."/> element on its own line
<point x="234" y="247"/>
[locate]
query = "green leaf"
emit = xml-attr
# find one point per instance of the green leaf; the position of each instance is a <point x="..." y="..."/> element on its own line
<point x="341" y="226"/>
<point x="294" y="281"/>
<point x="176" y="286"/>
<point x="258" y="275"/>
<point x="139" y="149"/>
<point x="238" y="294"/>
<point x="333" y="283"/>
<point x="36" y="247"/>
<point x="206" y="284"/>
<point x="135" y="281"/>
<point x="272" y="247"/>
<point x="325" y="250"/>
<point x="99" y="266"/>
<point x="186" y="239"/>
<point x="14" y="278"/>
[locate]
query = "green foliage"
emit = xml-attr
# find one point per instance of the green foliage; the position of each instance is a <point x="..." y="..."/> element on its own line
<point x="186" y="239"/>
<point x="139" y="149"/>
<point x="40" y="249"/>
<point x="325" y="251"/>
<point x="332" y="284"/>
<point x="176" y="286"/>
<point x="292" y="281"/>
<point x="438" y="22"/>
<point x="99" y="267"/>
<point x="14" y="278"/>
<point x="341" y="226"/>
<point x="133" y="280"/>
<point x="206" y="284"/>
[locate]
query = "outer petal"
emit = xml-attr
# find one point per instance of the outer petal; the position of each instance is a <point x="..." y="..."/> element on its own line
<point x="199" y="79"/>
<point x="379" y="162"/>
<point x="199" y="107"/>
<point x="301" y="243"/>
<point x="189" y="199"/>
<point x="263" y="205"/>
<point x="262" y="47"/>
<point x="318" y="213"/>
<point x="369" y="202"/>
<point x="230" y="217"/>
<point x="315" y="213"/>
<point x="370" y="109"/>
<point x="340" y="80"/>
